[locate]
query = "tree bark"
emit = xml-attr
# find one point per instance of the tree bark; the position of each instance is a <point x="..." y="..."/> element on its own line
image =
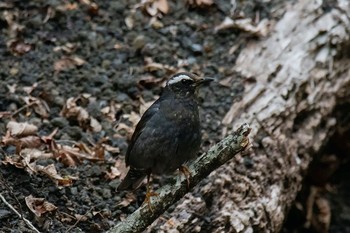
<point x="301" y="72"/>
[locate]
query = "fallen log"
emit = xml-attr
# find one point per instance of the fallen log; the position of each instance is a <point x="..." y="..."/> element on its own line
<point x="301" y="71"/>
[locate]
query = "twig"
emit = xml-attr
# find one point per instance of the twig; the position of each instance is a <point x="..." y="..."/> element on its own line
<point x="29" y="224"/>
<point x="20" y="213"/>
<point x="172" y="192"/>
<point x="79" y="219"/>
<point x="23" y="107"/>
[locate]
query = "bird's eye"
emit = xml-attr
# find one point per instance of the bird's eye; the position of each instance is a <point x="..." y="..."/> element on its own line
<point x="186" y="81"/>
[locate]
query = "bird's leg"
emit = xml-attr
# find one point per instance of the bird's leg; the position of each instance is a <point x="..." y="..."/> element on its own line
<point x="149" y="193"/>
<point x="184" y="170"/>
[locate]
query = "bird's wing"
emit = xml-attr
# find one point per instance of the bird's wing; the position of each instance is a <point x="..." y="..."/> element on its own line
<point x="150" y="112"/>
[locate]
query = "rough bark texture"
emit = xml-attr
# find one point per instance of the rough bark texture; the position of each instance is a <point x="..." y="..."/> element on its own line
<point x="170" y="193"/>
<point x="301" y="71"/>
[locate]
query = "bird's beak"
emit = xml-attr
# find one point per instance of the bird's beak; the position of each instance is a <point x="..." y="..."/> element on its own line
<point x="203" y="81"/>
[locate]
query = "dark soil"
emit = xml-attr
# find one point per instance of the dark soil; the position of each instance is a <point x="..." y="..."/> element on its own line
<point x="35" y="35"/>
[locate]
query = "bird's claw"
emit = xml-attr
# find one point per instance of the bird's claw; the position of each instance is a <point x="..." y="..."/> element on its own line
<point x="186" y="172"/>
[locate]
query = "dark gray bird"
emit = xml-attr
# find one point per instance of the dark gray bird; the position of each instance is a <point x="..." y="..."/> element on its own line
<point x="168" y="133"/>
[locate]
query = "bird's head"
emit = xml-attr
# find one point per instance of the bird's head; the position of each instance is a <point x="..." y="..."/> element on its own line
<point x="185" y="84"/>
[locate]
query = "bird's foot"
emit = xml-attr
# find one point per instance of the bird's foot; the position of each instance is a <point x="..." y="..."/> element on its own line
<point x="184" y="170"/>
<point x="147" y="200"/>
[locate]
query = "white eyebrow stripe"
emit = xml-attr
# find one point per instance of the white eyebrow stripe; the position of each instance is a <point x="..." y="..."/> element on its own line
<point x="178" y="79"/>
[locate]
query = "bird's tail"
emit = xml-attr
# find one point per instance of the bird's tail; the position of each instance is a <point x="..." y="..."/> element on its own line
<point x="132" y="180"/>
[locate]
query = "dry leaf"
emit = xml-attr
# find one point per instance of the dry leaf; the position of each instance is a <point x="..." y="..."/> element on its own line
<point x="12" y="88"/>
<point x="200" y="3"/>
<point x="68" y="48"/>
<point x="99" y="152"/>
<point x="246" y="25"/>
<point x="92" y="7"/>
<point x="154" y="66"/>
<point x="30" y="142"/>
<point x="51" y="171"/>
<point x="71" y="156"/>
<point x="13" y="160"/>
<point x="19" y="47"/>
<point x="70" y="6"/>
<point x="117" y="170"/>
<point x="118" y="46"/>
<point x="5" y="114"/>
<point x="111" y="111"/>
<point x="129" y="22"/>
<point x="226" y="82"/>
<point x="151" y="67"/>
<point x="113" y="174"/>
<point x="129" y="198"/>
<point x="111" y="149"/>
<point x="40" y="106"/>
<point x="49" y="138"/>
<point x="95" y="125"/>
<point x="122" y="126"/>
<point x="71" y="110"/>
<point x="153" y="7"/>
<point x="66" y="63"/>
<point x="21" y="129"/>
<point x="150" y="81"/>
<point x="39" y="206"/>
<point x="162" y="6"/>
<point x="80" y="218"/>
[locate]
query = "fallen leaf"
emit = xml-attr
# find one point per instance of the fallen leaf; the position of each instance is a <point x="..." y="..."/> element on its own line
<point x="129" y="198"/>
<point x="200" y="3"/>
<point x="40" y="106"/>
<point x="92" y="7"/>
<point x="153" y="7"/>
<point x="95" y="125"/>
<point x="152" y="66"/>
<point x="162" y="6"/>
<point x="50" y="170"/>
<point x="111" y="111"/>
<point x="247" y="25"/>
<point x="39" y="206"/>
<point x="150" y="81"/>
<point x="13" y="160"/>
<point x="21" y="129"/>
<point x="19" y="47"/>
<point x="226" y="82"/>
<point x="5" y="114"/>
<point x="113" y="173"/>
<point x="48" y="139"/>
<point x="129" y="22"/>
<point x="122" y="126"/>
<point x="66" y="63"/>
<point x="111" y="149"/>
<point x="80" y="218"/>
<point x="68" y="48"/>
<point x="72" y="110"/>
<point x="12" y="88"/>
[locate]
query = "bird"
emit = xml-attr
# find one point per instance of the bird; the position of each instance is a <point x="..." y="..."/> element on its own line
<point x="168" y="133"/>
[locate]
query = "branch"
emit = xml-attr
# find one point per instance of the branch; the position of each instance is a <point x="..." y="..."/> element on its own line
<point x="29" y="224"/>
<point x="200" y="169"/>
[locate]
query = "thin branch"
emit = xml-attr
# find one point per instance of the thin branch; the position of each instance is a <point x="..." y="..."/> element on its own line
<point x="29" y="224"/>
<point x="79" y="219"/>
<point x="172" y="192"/>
